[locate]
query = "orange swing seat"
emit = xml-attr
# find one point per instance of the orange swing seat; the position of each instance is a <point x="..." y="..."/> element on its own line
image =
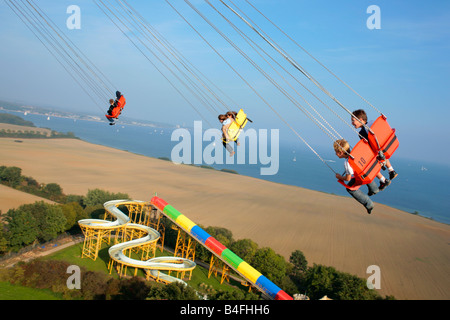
<point x="384" y="138"/>
<point x="367" y="157"/>
<point x="115" y="113"/>
<point x="364" y="163"/>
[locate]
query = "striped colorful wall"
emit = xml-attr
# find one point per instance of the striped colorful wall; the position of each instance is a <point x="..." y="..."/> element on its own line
<point x="221" y="251"/>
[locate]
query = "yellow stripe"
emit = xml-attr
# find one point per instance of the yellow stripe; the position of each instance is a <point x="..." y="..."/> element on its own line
<point x="249" y="272"/>
<point x="185" y="223"/>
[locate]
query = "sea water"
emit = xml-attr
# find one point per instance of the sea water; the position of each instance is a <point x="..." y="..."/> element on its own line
<point x="418" y="189"/>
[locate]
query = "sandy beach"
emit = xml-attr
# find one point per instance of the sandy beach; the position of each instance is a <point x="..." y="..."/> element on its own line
<point x="412" y="252"/>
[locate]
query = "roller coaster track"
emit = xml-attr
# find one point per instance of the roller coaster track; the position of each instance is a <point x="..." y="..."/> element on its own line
<point x="143" y="239"/>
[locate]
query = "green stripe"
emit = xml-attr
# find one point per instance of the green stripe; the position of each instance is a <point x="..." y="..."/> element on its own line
<point x="171" y="212"/>
<point x="230" y="257"/>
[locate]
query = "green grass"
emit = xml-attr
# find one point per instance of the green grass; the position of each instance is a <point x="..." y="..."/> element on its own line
<point x="10" y="291"/>
<point x="72" y="255"/>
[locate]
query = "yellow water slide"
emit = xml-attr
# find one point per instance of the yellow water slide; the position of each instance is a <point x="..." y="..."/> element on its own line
<point x="143" y="237"/>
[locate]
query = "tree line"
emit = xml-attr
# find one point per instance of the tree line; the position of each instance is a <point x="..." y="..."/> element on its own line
<point x="41" y="222"/>
<point x="29" y="134"/>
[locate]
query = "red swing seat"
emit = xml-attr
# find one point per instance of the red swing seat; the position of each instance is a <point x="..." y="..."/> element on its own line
<point x="364" y="163"/>
<point x="385" y="136"/>
<point x="115" y="113"/>
<point x="364" y="157"/>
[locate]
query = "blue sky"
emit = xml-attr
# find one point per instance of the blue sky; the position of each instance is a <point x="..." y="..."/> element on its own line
<point x="403" y="69"/>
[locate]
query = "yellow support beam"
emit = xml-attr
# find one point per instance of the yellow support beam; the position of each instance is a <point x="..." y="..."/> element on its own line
<point x="225" y="274"/>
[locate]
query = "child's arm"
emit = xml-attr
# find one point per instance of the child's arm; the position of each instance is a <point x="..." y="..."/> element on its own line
<point x="225" y="131"/>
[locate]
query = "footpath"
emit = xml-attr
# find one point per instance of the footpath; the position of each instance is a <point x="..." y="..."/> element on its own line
<point x="42" y="250"/>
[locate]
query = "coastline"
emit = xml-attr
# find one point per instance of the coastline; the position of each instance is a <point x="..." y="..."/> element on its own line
<point x="411" y="251"/>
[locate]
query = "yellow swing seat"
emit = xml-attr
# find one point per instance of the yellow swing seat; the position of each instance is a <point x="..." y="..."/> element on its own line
<point x="235" y="128"/>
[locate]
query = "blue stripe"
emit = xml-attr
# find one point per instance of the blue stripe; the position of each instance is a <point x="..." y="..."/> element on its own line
<point x="200" y="234"/>
<point x="267" y="286"/>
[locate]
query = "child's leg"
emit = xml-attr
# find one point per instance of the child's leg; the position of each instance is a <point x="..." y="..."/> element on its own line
<point x="388" y="163"/>
<point x="381" y="177"/>
<point x="228" y="147"/>
<point x="392" y="173"/>
<point x="373" y="188"/>
<point x="362" y="198"/>
<point x="383" y="183"/>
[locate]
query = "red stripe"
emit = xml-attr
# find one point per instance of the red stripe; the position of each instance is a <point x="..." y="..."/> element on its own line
<point x="215" y="245"/>
<point x="160" y="203"/>
<point x="281" y="295"/>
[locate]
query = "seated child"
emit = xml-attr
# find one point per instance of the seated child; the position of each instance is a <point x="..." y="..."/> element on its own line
<point x="342" y="149"/>
<point x="226" y="121"/>
<point x="359" y="120"/>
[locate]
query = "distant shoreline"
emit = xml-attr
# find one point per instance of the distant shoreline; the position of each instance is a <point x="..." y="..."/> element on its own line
<point x="25" y="110"/>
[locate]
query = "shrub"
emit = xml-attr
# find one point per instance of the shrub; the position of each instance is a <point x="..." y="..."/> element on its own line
<point x="97" y="196"/>
<point x="172" y="291"/>
<point x="322" y="280"/>
<point x="270" y="264"/>
<point x="11" y="176"/>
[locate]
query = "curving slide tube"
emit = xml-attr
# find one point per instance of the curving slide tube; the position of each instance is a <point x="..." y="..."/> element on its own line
<point x="116" y="252"/>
